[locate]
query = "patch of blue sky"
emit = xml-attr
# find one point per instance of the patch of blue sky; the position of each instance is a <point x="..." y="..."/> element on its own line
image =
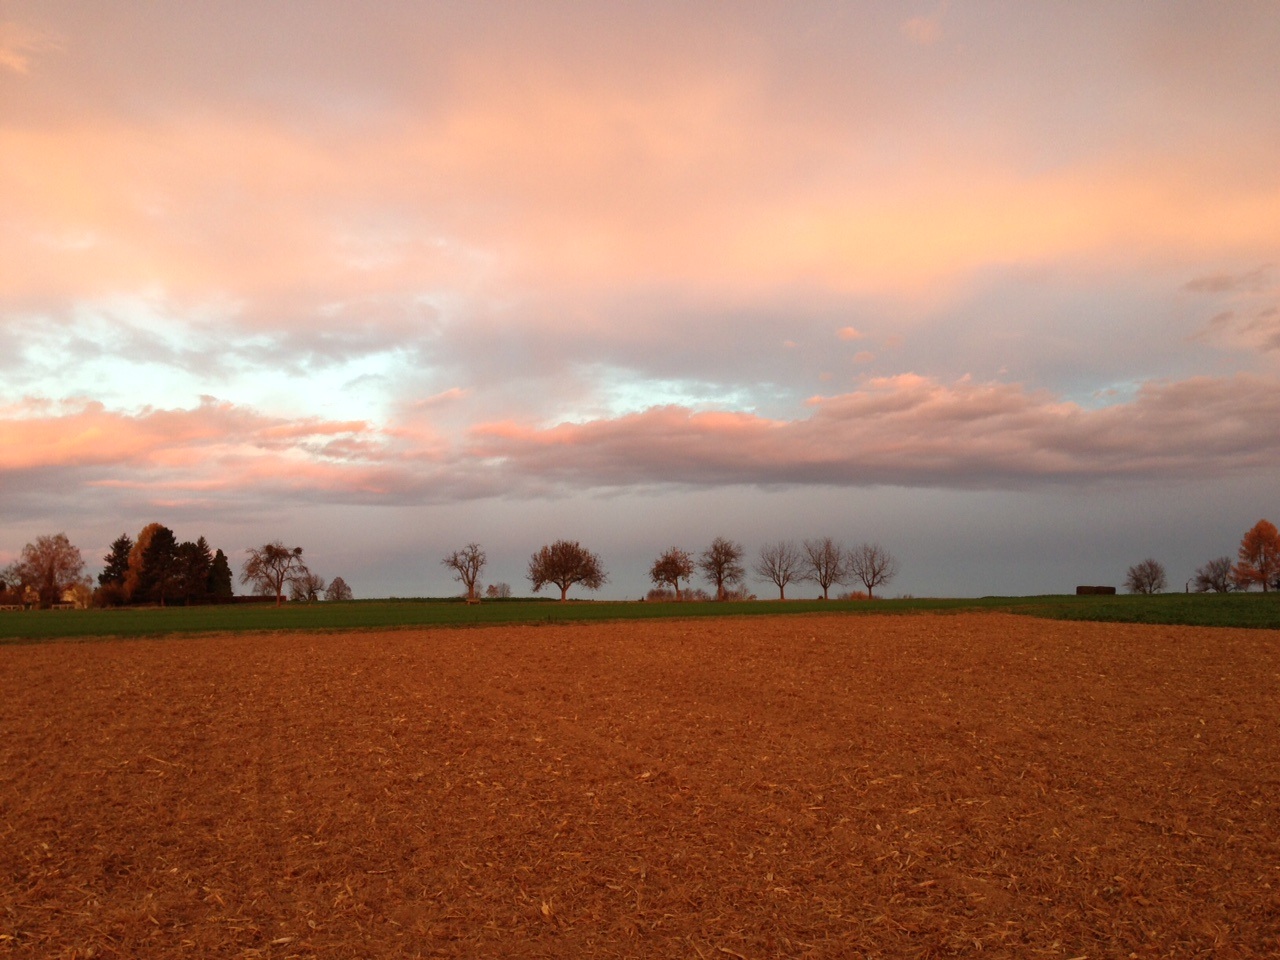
<point x="618" y="392"/>
<point x="135" y="352"/>
<point x="357" y="389"/>
<point x="1112" y="395"/>
<point x="121" y="352"/>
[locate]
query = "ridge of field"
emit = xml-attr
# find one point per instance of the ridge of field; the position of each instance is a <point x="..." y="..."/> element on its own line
<point x="1252" y="610"/>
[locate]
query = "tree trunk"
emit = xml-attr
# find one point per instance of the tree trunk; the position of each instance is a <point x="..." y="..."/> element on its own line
<point x="564" y="593"/>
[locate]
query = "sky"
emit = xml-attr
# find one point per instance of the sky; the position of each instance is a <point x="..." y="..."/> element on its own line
<point x="994" y="284"/>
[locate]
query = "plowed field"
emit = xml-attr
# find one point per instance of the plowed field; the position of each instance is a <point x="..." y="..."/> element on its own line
<point x="908" y="786"/>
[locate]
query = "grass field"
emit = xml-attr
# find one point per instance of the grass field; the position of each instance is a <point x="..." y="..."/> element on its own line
<point x="1254" y="610"/>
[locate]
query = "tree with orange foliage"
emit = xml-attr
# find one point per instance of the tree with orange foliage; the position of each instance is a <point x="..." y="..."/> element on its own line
<point x="46" y="569"/>
<point x="1259" y="557"/>
<point x="133" y="576"/>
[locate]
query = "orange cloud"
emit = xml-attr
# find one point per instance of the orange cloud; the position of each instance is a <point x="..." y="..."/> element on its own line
<point x="40" y="435"/>
<point x="708" y="181"/>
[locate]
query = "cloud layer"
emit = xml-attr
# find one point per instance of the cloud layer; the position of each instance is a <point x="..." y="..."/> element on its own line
<point x="904" y="431"/>
<point x="442" y="253"/>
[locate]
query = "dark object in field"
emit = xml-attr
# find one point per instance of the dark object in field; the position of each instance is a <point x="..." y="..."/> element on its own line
<point x="1089" y="591"/>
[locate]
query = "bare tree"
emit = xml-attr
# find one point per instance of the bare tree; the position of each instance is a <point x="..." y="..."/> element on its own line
<point x="338" y="590"/>
<point x="270" y="567"/>
<point x="780" y="563"/>
<point x="48" y="568"/>
<point x="1146" y="577"/>
<point x="672" y="567"/>
<point x="827" y="562"/>
<point x="873" y="565"/>
<point x="721" y="564"/>
<point x="498" y="591"/>
<point x="309" y="586"/>
<point x="1215" y="575"/>
<point x="565" y="563"/>
<point x="466" y="565"/>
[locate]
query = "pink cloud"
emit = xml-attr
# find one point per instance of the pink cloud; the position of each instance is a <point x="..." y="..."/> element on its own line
<point x="925" y="31"/>
<point x="19" y="44"/>
<point x="849" y="333"/>
<point x="904" y="430"/>
<point x="443" y="398"/>
<point x="217" y="450"/>
<point x="1247" y="309"/>
<point x="913" y="430"/>
<point x="1251" y="281"/>
<point x="40" y="434"/>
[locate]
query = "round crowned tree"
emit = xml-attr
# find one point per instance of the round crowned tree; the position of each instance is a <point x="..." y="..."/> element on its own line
<point x="565" y="563"/>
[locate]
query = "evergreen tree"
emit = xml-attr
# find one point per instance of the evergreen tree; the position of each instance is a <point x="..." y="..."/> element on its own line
<point x="195" y="562"/>
<point x="218" y="587"/>
<point x="160" y="572"/>
<point x="117" y="561"/>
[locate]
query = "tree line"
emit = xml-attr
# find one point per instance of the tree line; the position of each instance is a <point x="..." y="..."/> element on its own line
<point x="782" y="563"/>
<point x="156" y="569"/>
<point x="1257" y="563"/>
<point x="566" y="564"/>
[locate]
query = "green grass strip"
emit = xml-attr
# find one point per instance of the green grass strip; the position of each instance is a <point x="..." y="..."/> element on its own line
<point x="1253" y="610"/>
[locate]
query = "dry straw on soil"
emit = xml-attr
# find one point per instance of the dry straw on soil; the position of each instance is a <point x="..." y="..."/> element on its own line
<point x="928" y="786"/>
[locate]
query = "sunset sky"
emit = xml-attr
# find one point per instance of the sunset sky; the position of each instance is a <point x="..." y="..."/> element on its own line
<point x="995" y="284"/>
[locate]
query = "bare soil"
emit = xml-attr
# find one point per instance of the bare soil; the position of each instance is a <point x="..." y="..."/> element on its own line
<point x="922" y="786"/>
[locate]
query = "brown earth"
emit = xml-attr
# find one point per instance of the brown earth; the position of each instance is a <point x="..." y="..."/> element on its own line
<point x="925" y="786"/>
